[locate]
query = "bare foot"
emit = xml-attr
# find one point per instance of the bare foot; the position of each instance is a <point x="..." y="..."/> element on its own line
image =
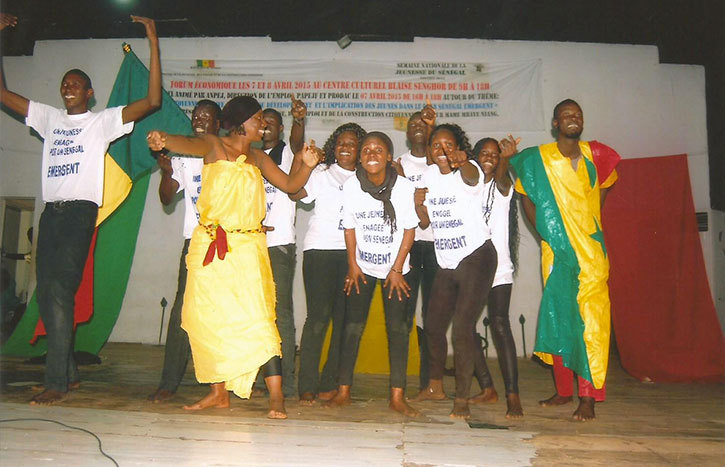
<point x="325" y="396"/>
<point x="75" y="385"/>
<point x="513" y="406"/>
<point x="161" y="395"/>
<point x="276" y="408"/>
<point x="460" y="409"/>
<point x="429" y="394"/>
<point x="48" y="397"/>
<point x="342" y="398"/>
<point x="218" y="397"/>
<point x="487" y="396"/>
<point x="307" y="398"/>
<point x="399" y="404"/>
<point x="585" y="411"/>
<point x="555" y="400"/>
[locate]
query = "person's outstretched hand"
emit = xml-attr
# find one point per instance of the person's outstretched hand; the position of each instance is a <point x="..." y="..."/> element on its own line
<point x="148" y="23"/>
<point x="6" y="19"/>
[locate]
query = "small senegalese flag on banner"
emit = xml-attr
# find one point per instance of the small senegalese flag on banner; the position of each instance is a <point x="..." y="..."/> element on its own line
<point x="205" y="64"/>
<point x="128" y="167"/>
<point x="574" y="314"/>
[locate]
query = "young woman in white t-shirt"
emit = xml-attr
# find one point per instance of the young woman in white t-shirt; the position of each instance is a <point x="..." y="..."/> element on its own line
<point x="466" y="256"/>
<point x="324" y="263"/>
<point x="499" y="210"/>
<point x="380" y="220"/>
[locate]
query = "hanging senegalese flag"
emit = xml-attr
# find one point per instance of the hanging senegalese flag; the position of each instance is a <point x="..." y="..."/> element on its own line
<point x="127" y="172"/>
<point x="205" y="64"/>
<point x="574" y="318"/>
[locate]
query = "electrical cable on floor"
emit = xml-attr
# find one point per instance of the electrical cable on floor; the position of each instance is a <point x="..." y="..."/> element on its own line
<point x="100" y="445"/>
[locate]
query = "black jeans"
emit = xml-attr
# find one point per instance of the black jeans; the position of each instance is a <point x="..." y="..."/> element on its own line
<point x="503" y="339"/>
<point x="65" y="233"/>
<point x="398" y="322"/>
<point x="423" y="267"/>
<point x="458" y="295"/>
<point x="283" y="259"/>
<point x="324" y="277"/>
<point x="177" y="350"/>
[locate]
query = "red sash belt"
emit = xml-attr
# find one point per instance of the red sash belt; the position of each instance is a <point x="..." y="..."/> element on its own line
<point x="219" y="245"/>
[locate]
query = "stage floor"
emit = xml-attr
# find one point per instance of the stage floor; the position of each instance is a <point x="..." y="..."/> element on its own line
<point x="640" y="424"/>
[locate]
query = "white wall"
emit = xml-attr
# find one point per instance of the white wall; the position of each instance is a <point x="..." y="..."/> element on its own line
<point x="631" y="101"/>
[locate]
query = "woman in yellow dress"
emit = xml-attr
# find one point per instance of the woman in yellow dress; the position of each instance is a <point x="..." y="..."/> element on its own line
<point x="229" y="309"/>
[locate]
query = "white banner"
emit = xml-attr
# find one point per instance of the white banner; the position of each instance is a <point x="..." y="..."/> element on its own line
<point x="496" y="96"/>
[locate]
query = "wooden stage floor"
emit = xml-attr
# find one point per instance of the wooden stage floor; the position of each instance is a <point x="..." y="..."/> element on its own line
<point x="640" y="424"/>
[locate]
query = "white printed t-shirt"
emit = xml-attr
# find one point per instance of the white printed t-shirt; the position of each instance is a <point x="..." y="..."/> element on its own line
<point x="74" y="150"/>
<point x="324" y="230"/>
<point x="453" y="209"/>
<point x="187" y="172"/>
<point x="376" y="248"/>
<point x="499" y="225"/>
<point x="280" y="209"/>
<point x="414" y="167"/>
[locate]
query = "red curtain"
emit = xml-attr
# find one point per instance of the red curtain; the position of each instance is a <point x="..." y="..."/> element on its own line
<point x="663" y="314"/>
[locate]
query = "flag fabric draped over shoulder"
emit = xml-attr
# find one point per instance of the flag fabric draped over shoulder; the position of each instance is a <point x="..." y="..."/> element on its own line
<point x="574" y="317"/>
<point x="128" y="165"/>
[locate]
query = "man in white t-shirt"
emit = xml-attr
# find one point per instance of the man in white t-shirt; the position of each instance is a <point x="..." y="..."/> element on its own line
<point x="279" y="224"/>
<point x="423" y="264"/>
<point x="75" y="141"/>
<point x="177" y="174"/>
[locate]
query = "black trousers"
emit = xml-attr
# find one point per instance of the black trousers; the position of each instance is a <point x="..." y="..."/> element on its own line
<point x="398" y="322"/>
<point x="177" y="350"/>
<point x="64" y="237"/>
<point x="498" y="313"/>
<point x="324" y="277"/>
<point x="458" y="295"/>
<point x="423" y="267"/>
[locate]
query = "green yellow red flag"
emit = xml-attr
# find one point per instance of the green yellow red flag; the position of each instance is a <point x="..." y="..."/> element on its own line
<point x="574" y="316"/>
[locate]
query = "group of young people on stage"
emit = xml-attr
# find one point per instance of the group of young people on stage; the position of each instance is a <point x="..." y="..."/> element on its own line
<point x="436" y="218"/>
<point x="370" y="211"/>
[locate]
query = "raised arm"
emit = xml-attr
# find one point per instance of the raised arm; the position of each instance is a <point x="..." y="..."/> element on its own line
<point x="428" y="115"/>
<point x="297" y="134"/>
<point x="196" y="146"/>
<point x="293" y="182"/>
<point x="458" y="159"/>
<point x="15" y="102"/>
<point x="507" y="146"/>
<point x="7" y="20"/>
<point x="139" y="109"/>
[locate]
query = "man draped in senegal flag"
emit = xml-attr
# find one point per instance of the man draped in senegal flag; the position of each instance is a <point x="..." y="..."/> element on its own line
<point x="564" y="184"/>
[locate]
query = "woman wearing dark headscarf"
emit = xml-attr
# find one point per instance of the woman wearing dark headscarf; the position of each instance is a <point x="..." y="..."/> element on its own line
<point x="379" y="220"/>
<point x="229" y="299"/>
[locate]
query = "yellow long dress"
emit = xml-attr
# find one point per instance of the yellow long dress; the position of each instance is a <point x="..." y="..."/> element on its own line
<point x="229" y="304"/>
